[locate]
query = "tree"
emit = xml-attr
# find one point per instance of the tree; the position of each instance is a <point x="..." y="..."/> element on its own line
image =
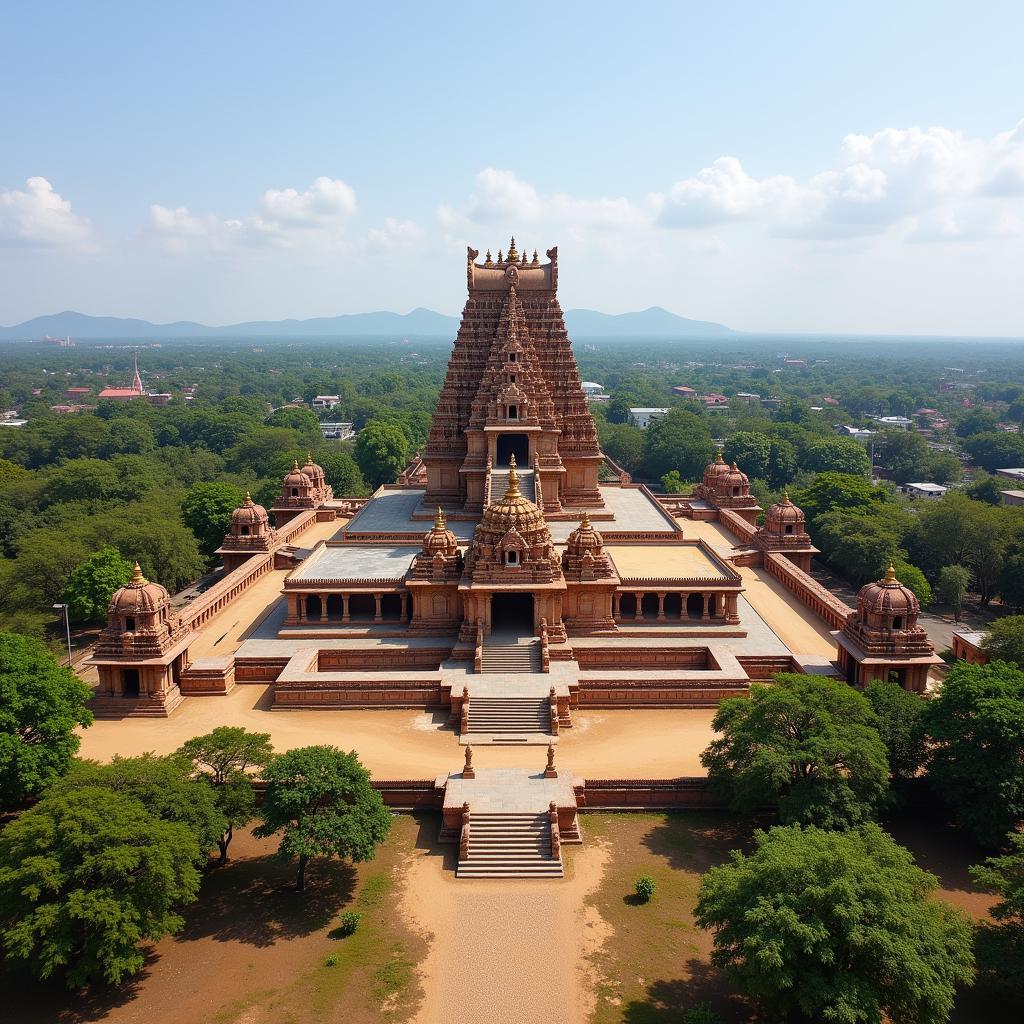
<point x="808" y="744"/>
<point x="222" y="759"/>
<point x="41" y="703"/>
<point x="381" y="451"/>
<point x="92" y="584"/>
<point x="302" y="420"/>
<point x="836" y="926"/>
<point x="672" y="483"/>
<point x="996" y="450"/>
<point x="1000" y="943"/>
<point x="944" y="468"/>
<point x="321" y="799"/>
<point x="976" y="725"/>
<point x="837" y="455"/>
<point x="750" y="451"/>
<point x="837" y="491"/>
<point x="1005" y="640"/>
<point x="341" y="472"/>
<point x="912" y="578"/>
<point x="618" y="408"/>
<point x="987" y="489"/>
<point x="86" y="876"/>
<point x="164" y="786"/>
<point x="952" y="587"/>
<point x="679" y="440"/>
<point x="900" y="716"/>
<point x="977" y="421"/>
<point x="207" y="510"/>
<point x="624" y="443"/>
<point x="906" y="455"/>
<point x="782" y="462"/>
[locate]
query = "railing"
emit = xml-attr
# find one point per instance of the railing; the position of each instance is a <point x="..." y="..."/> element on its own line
<point x="553" y="706"/>
<point x="478" y="653"/>
<point x="545" y="647"/>
<point x="464" y="833"/>
<point x="556" y="838"/>
<point x="809" y="590"/>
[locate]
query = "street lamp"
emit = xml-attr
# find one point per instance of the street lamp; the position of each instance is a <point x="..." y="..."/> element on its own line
<point x="67" y="627"/>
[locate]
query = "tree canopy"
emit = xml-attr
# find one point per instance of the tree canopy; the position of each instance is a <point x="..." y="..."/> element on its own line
<point x="321" y="801"/>
<point x="900" y="715"/>
<point x="809" y="745"/>
<point x="1004" y="640"/>
<point x="976" y="725"/>
<point x="85" y="877"/>
<point x="92" y="583"/>
<point x="381" y="451"/>
<point x="836" y="926"/>
<point x="41" y="704"/>
<point x="1000" y="943"/>
<point x="207" y="510"/>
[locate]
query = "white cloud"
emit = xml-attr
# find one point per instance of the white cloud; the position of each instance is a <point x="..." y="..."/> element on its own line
<point x="395" y="232"/>
<point x="39" y="216"/>
<point x="284" y="218"/>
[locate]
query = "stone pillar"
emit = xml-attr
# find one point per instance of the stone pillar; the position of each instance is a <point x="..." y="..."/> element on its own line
<point x="616" y="607"/>
<point x="705" y="617"/>
<point x="344" y="608"/>
<point x="377" y="616"/>
<point x="639" y="607"/>
<point x="682" y="606"/>
<point x="403" y="615"/>
<point x="661" y="606"/>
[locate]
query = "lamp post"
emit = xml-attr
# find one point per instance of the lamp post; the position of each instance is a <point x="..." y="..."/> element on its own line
<point x="67" y="627"/>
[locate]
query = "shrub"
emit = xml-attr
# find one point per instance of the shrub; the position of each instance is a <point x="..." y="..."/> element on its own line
<point x="701" y="1014"/>
<point x="349" y="922"/>
<point x="644" y="888"/>
<point x="331" y="961"/>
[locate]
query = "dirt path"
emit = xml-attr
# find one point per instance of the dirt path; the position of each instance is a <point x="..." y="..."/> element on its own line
<point x="506" y="950"/>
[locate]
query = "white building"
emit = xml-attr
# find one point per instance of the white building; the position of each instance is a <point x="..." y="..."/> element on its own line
<point x="326" y="401"/>
<point x="1011" y="474"/>
<point x="931" y="492"/>
<point x="893" y="422"/>
<point x="643" y="417"/>
<point x="337" y="431"/>
<point x="591" y="387"/>
<point x="860" y="433"/>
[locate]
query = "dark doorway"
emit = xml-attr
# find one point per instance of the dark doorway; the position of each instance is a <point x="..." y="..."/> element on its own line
<point x="673" y="606"/>
<point x="335" y="606"/>
<point x="627" y="606"/>
<point x="362" y="606"/>
<point x="649" y="606"/>
<point x="391" y="607"/>
<point x="514" y="444"/>
<point x="512" y="613"/>
<point x="695" y="606"/>
<point x="314" y="609"/>
<point x="130" y="682"/>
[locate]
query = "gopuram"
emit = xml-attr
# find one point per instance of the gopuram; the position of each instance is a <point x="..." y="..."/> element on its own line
<point x="511" y="576"/>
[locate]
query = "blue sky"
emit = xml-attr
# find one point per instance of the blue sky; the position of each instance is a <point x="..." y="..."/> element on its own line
<point x="813" y="167"/>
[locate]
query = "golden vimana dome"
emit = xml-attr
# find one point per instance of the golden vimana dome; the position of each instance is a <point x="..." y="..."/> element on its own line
<point x="139" y="595"/>
<point x="440" y="540"/>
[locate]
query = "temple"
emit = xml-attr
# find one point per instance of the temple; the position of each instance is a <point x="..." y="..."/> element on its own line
<point x="512" y="575"/>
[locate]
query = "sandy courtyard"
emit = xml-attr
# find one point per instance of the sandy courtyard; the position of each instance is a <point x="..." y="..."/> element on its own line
<point x="657" y="743"/>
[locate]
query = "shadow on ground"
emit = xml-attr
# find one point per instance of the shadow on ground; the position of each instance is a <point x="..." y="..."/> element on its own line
<point x="697" y="840"/>
<point x="29" y="1001"/>
<point x="666" y="1001"/>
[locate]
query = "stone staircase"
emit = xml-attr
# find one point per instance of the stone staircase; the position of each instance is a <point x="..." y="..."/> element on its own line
<point x="508" y="716"/>
<point x="527" y="483"/>
<point x="510" y="654"/>
<point x="509" y="845"/>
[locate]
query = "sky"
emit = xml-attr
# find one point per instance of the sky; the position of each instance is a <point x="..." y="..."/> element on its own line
<point x="785" y="167"/>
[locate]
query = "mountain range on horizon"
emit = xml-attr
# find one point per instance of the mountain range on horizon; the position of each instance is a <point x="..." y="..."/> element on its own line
<point x="583" y="323"/>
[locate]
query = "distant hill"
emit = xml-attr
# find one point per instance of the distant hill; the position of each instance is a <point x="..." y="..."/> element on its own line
<point x="650" y="323"/>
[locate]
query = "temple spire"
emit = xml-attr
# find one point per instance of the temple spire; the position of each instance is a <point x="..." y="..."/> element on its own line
<point x="137" y="578"/>
<point x="513" y="479"/>
<point x="439" y="520"/>
<point x="513" y="256"/>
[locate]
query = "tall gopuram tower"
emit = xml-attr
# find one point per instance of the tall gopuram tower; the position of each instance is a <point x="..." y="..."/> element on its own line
<point x="512" y="388"/>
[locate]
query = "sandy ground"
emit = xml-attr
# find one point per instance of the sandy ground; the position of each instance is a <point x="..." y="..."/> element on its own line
<point x="658" y="743"/>
<point x="503" y="951"/>
<point x="795" y="624"/>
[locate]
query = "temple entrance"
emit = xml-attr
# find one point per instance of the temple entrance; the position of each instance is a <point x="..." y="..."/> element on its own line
<point x="391" y="607"/>
<point x="335" y="607"/>
<point x="314" y="608"/>
<point x="512" y="613"/>
<point x="695" y="606"/>
<point x="513" y="444"/>
<point x="649" y="606"/>
<point x="130" y="682"/>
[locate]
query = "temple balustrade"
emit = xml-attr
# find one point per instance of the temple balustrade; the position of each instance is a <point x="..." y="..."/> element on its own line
<point x="818" y="598"/>
<point x="225" y="590"/>
<point x="737" y="525"/>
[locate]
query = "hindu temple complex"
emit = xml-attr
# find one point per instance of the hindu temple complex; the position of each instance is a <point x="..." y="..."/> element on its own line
<point x="511" y="578"/>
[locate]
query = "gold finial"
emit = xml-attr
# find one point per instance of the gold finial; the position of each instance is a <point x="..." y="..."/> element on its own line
<point x="513" y="256"/>
<point x="295" y="464"/>
<point x="309" y="458"/>
<point x="439" y="522"/>
<point x="735" y="468"/>
<point x="487" y="260"/>
<point x="248" y="497"/>
<point x="513" y="479"/>
<point x="500" y="260"/>
<point x="890" y="574"/>
<point x="785" y="496"/>
<point x="137" y="578"/>
<point x="585" y="521"/>
<point x="719" y="461"/>
<point x="536" y="258"/>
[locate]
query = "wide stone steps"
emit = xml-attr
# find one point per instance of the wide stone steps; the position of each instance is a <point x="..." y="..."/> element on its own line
<point x="509" y="715"/>
<point x="509" y="845"/>
<point x="499" y="657"/>
<point x="527" y="483"/>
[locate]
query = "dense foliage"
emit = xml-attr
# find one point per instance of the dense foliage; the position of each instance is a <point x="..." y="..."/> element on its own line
<point x="41" y="704"/>
<point x="1000" y="943"/>
<point x="806" y="744"/>
<point x="836" y="926"/>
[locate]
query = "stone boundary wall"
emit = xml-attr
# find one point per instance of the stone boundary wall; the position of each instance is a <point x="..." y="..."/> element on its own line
<point x="737" y="525"/>
<point x="400" y="794"/>
<point x="656" y="693"/>
<point x="226" y="590"/>
<point x="646" y="794"/>
<point x="764" y="666"/>
<point x="379" y="693"/>
<point x="808" y="589"/>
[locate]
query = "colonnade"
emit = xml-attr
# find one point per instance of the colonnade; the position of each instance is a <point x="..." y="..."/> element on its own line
<point x="363" y="606"/>
<point x="673" y="606"/>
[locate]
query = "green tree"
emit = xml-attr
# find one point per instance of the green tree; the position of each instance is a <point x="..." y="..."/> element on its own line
<point x="164" y="786"/>
<point x="977" y="421"/>
<point x="943" y="468"/>
<point x="681" y="440"/>
<point x="830" y="491"/>
<point x="302" y="420"/>
<point x="750" y="451"/>
<point x="836" y="926"/>
<point x="85" y="877"/>
<point x="618" y="408"/>
<point x="381" y="451"/>
<point x="223" y="758"/>
<point x="672" y="483"/>
<point x="782" y="462"/>
<point x="952" y="587"/>
<point x="92" y="584"/>
<point x="900" y="715"/>
<point x="906" y="455"/>
<point x="976" y="725"/>
<point x="806" y="743"/>
<point x="341" y="472"/>
<point x="624" y="443"/>
<point x="41" y="704"/>
<point x="1005" y="640"/>
<point x="207" y="510"/>
<point x="321" y="799"/>
<point x="837" y="455"/>
<point x="1000" y="943"/>
<point x="987" y="489"/>
<point x="912" y="577"/>
<point x="996" y="450"/>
